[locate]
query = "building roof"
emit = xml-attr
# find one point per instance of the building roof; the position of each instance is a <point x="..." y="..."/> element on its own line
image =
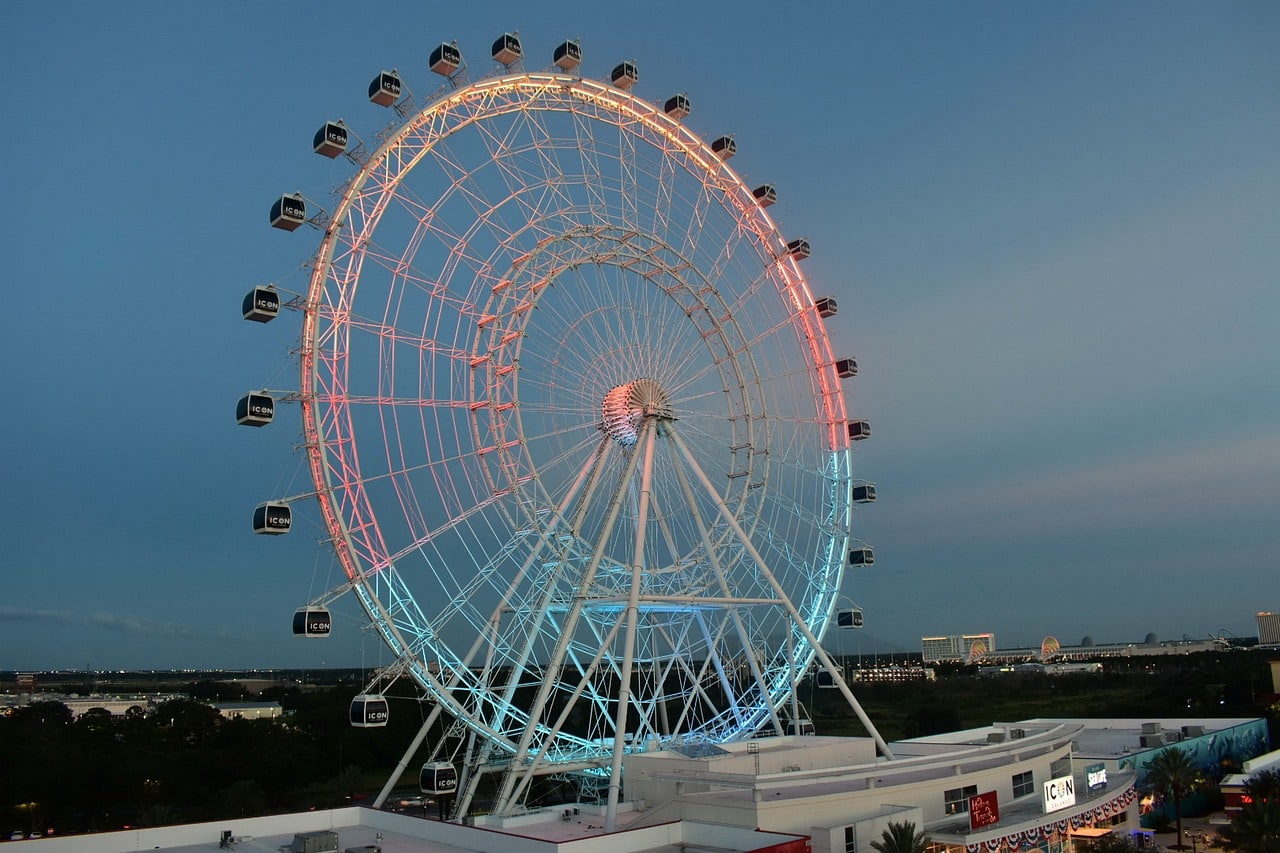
<point x="540" y="832"/>
<point x="1105" y="739"/>
<point x="1269" y="761"/>
<point x="1097" y="738"/>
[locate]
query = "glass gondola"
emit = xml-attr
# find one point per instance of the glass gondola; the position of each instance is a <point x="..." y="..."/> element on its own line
<point x="288" y="212"/>
<point x="272" y="518"/>
<point x="864" y="493"/>
<point x="826" y="307"/>
<point x="255" y="409"/>
<point x="446" y="59"/>
<point x="262" y="304"/>
<point x="507" y="49"/>
<point x="677" y="106"/>
<point x="846" y="368"/>
<point x="312" y="622"/>
<point x="724" y="147"/>
<point x="624" y="75"/>
<point x="851" y="618"/>
<point x="438" y="777"/>
<point x="369" y="710"/>
<point x="331" y="139"/>
<point x="861" y="557"/>
<point x="385" y="89"/>
<point x="858" y="430"/>
<point x="568" y="56"/>
<point x="766" y="194"/>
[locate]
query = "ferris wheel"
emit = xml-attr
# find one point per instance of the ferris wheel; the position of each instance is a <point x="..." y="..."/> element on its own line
<point x="576" y="430"/>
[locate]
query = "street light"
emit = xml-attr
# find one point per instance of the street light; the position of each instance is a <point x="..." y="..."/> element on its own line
<point x="30" y="810"/>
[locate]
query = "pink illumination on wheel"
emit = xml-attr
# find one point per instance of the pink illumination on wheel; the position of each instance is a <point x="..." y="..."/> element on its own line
<point x="569" y="406"/>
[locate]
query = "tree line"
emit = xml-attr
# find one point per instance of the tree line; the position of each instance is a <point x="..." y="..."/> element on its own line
<point x="183" y="762"/>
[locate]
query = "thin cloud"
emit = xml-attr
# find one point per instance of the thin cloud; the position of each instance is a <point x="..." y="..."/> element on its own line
<point x="122" y="623"/>
<point x="1177" y="485"/>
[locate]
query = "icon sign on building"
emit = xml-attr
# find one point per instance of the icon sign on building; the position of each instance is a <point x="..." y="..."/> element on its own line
<point x="1059" y="794"/>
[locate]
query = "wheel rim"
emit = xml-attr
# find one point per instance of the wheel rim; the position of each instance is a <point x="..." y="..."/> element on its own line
<point x="524" y="283"/>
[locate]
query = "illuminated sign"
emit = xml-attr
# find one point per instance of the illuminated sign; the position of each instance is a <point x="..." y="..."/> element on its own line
<point x="1095" y="777"/>
<point x="1059" y="794"/>
<point x="984" y="810"/>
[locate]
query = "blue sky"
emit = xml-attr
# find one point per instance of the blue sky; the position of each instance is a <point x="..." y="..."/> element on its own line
<point x="1053" y="231"/>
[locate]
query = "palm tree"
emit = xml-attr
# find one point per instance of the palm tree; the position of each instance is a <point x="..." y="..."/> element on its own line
<point x="1171" y="774"/>
<point x="1256" y="827"/>
<point x="901" y="838"/>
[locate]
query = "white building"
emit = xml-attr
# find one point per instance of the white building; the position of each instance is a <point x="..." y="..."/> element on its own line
<point x="1268" y="629"/>
<point x="837" y="793"/>
<point x="956" y="647"/>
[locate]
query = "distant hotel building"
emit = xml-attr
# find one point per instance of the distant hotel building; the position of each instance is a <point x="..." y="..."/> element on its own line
<point x="891" y="675"/>
<point x="249" y="710"/>
<point x="1268" y="629"/>
<point x="958" y="647"/>
<point x="981" y="648"/>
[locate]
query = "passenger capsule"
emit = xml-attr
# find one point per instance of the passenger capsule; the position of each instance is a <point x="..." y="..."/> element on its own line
<point x="568" y="56"/>
<point x="385" y="89"/>
<point x="369" y="710"/>
<point x="331" y="139"/>
<point x="798" y="249"/>
<point x="507" y="49"/>
<point x="861" y="557"/>
<point x="446" y="59"/>
<point x="724" y="147"/>
<point x="677" y="106"/>
<point x="846" y="368"/>
<point x="288" y="212"/>
<point x="825" y="679"/>
<point x="255" y="410"/>
<point x="625" y="75"/>
<point x="765" y="194"/>
<point x="312" y="622"/>
<point x="849" y="618"/>
<point x="864" y="493"/>
<point x="272" y="518"/>
<point x="859" y="430"/>
<point x="826" y="307"/>
<point x="438" y="777"/>
<point x="262" y="304"/>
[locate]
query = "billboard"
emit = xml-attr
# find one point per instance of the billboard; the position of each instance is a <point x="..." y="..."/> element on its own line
<point x="984" y="810"/>
<point x="1095" y="777"/>
<point x="1059" y="794"/>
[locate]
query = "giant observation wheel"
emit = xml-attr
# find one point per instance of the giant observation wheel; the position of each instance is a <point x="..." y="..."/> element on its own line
<point x="576" y="429"/>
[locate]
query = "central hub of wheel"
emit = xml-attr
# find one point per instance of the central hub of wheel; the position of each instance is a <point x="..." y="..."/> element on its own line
<point x="626" y="406"/>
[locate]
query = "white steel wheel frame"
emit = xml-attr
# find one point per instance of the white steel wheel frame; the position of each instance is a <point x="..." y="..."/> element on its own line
<point x="574" y="424"/>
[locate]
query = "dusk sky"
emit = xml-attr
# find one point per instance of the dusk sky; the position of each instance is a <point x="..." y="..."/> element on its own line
<point x="1053" y="231"/>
